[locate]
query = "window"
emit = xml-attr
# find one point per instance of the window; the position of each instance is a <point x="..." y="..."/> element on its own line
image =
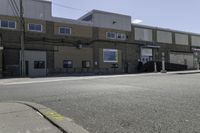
<point x="86" y="64"/>
<point x="117" y="36"/>
<point x="121" y="36"/>
<point x="110" y="35"/>
<point x="8" y="24"/>
<point x="67" y="64"/>
<point x="88" y="18"/>
<point x="65" y="30"/>
<point x="110" y="55"/>
<point x="35" y="27"/>
<point x="39" y="64"/>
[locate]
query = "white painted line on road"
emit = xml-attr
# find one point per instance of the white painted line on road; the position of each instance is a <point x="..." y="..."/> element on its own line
<point x="45" y="80"/>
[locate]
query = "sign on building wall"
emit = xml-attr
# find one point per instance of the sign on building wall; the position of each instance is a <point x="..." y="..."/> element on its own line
<point x="110" y="55"/>
<point x="146" y="52"/>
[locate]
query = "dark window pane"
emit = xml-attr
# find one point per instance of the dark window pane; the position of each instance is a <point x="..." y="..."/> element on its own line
<point x="65" y="30"/>
<point x="39" y="64"/>
<point x="38" y="27"/>
<point x="62" y="30"/>
<point x="67" y="64"/>
<point x="11" y="24"/>
<point x="4" y="24"/>
<point x="31" y="27"/>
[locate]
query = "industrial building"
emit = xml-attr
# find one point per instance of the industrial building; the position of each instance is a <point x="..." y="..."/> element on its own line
<point x="98" y="42"/>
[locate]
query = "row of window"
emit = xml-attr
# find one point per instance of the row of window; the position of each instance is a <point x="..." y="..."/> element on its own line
<point x="9" y="24"/>
<point x="116" y="36"/>
<point x="69" y="64"/>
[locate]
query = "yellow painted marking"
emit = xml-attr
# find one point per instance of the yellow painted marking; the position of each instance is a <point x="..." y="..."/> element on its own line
<point x="54" y="115"/>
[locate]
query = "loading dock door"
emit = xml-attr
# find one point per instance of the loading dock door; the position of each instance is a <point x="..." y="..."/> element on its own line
<point x="182" y="59"/>
<point x="35" y="63"/>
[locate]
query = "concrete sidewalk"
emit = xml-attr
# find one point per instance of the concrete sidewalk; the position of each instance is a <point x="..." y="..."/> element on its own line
<point x="18" y="81"/>
<point x="25" y="117"/>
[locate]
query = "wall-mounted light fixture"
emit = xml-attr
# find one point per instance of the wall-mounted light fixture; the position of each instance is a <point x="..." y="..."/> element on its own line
<point x="114" y="22"/>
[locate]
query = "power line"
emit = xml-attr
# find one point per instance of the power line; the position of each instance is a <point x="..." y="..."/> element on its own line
<point x="69" y="7"/>
<point x="13" y="8"/>
<point x="16" y="5"/>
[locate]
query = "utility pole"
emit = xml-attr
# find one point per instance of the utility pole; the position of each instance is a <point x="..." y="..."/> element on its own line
<point x="22" y="61"/>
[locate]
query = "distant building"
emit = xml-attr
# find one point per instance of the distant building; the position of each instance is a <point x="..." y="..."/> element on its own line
<point x="98" y="42"/>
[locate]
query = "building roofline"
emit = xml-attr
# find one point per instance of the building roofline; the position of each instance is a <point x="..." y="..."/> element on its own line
<point x="99" y="11"/>
<point x="165" y="29"/>
<point x="48" y="1"/>
<point x="71" y="21"/>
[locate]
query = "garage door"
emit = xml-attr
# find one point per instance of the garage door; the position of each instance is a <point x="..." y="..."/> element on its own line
<point x="182" y="59"/>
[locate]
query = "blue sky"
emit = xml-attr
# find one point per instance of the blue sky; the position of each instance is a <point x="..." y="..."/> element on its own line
<point x="174" y="14"/>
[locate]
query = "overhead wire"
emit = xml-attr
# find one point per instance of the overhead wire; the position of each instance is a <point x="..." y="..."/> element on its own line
<point x="69" y="7"/>
<point x="16" y="5"/>
<point x="14" y="9"/>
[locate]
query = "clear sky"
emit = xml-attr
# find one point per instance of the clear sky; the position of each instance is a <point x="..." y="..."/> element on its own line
<point x="181" y="15"/>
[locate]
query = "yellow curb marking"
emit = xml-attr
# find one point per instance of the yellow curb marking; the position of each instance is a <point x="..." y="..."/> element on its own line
<point x="54" y="115"/>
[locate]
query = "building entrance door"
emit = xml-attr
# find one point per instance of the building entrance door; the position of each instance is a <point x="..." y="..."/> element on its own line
<point x="27" y="68"/>
<point x="146" y="55"/>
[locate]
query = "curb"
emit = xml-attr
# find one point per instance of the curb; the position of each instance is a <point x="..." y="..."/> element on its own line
<point x="66" y="125"/>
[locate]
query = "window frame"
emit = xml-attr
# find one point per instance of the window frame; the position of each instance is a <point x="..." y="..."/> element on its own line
<point x="64" y="33"/>
<point x="113" y="38"/>
<point x="35" y="30"/>
<point x="116" y="54"/>
<point x="122" y="35"/>
<point x="39" y="61"/>
<point x="8" y="24"/>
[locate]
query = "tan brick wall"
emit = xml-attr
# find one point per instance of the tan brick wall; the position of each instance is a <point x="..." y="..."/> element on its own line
<point x="77" y="30"/>
<point x="72" y="53"/>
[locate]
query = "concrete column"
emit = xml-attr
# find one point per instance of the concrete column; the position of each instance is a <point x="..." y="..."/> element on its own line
<point x="163" y="63"/>
<point x="196" y="58"/>
<point x="154" y="59"/>
<point x="155" y="67"/>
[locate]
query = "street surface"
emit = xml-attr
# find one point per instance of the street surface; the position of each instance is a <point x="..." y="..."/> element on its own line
<point x="152" y="103"/>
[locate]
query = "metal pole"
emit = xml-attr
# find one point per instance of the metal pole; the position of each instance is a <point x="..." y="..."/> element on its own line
<point x="22" y="62"/>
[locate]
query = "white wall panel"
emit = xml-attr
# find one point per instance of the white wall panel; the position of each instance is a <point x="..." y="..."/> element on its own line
<point x="36" y="9"/>
<point x="164" y="37"/>
<point x="112" y="21"/>
<point x="143" y="34"/>
<point x="195" y="40"/>
<point x="181" y="39"/>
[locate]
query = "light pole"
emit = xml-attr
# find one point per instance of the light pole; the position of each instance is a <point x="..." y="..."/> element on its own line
<point x="22" y="61"/>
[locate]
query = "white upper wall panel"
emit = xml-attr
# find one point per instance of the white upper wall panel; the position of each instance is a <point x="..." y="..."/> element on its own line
<point x="181" y="39"/>
<point x="143" y="34"/>
<point x="36" y="9"/>
<point x="111" y="20"/>
<point x="164" y="37"/>
<point x="195" y="40"/>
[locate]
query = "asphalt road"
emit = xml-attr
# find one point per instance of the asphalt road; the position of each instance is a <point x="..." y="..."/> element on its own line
<point x="168" y="103"/>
